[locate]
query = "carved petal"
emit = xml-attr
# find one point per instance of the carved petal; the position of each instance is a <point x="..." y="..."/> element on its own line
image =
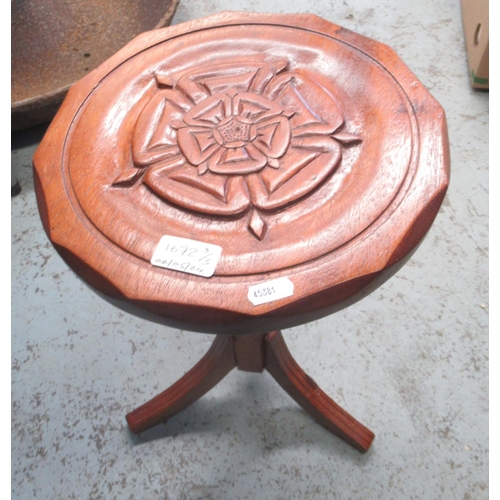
<point x="315" y="110"/>
<point x="273" y="137"/>
<point x="209" y="193"/>
<point x="156" y="176"/>
<point x="209" y="112"/>
<point x="254" y="108"/>
<point x="214" y="185"/>
<point x="307" y="163"/>
<point x="154" y="137"/>
<point x="242" y="160"/>
<point x="197" y="144"/>
<point x="219" y="78"/>
<point x="291" y="165"/>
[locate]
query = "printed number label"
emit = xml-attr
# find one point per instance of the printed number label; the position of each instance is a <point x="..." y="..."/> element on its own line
<point x="186" y="256"/>
<point x="270" y="290"/>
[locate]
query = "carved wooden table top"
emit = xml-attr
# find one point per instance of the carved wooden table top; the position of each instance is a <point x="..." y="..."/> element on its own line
<point x="307" y="152"/>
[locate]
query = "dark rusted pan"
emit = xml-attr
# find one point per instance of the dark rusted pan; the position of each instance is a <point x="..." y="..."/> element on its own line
<point x="54" y="43"/>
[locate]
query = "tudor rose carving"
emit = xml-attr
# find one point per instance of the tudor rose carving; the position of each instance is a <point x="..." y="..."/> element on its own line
<point x="236" y="140"/>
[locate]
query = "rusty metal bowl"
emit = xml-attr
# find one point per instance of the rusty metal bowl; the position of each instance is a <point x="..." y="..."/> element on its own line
<point x="54" y="43"/>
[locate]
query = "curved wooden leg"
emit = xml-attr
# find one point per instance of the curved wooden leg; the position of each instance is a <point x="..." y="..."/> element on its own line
<point x="302" y="388"/>
<point x="208" y="372"/>
<point x="251" y="353"/>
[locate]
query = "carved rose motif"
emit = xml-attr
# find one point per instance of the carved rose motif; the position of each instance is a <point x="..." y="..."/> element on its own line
<point x="229" y="139"/>
<point x="234" y="134"/>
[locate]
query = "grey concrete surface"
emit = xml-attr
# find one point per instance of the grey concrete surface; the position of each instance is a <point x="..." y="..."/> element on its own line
<point x="410" y="361"/>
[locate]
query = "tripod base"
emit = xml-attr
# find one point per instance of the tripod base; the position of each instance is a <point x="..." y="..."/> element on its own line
<point x="252" y="353"/>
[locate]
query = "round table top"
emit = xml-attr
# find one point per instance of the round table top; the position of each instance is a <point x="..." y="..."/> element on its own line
<point x="300" y="163"/>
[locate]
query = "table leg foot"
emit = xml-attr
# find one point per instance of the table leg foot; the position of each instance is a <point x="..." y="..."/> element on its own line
<point x="302" y="388"/>
<point x="207" y="373"/>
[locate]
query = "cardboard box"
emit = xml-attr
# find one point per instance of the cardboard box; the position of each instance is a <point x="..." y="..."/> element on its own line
<point x="475" y="17"/>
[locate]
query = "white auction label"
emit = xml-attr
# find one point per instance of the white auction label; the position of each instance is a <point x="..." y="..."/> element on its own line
<point x="186" y="256"/>
<point x="269" y="291"/>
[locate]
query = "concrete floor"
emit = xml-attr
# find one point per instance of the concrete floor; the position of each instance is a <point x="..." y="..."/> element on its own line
<point x="410" y="361"/>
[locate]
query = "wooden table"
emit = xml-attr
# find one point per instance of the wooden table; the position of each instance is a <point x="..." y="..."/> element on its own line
<point x="309" y="156"/>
